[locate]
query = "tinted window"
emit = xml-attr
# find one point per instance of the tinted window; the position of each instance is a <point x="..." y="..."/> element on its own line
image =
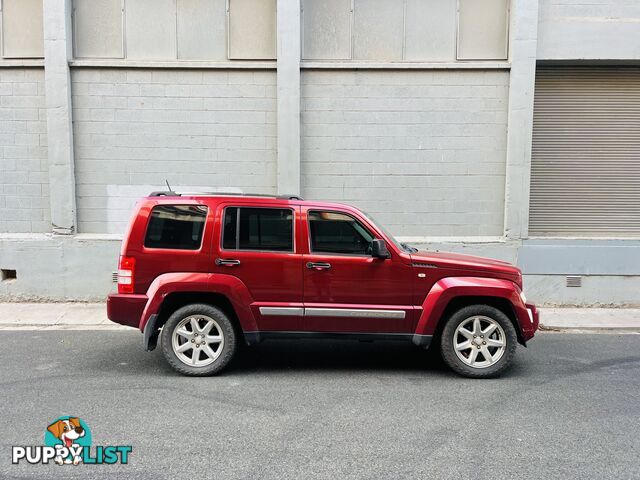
<point x="229" y="236"/>
<point x="176" y="227"/>
<point x="333" y="232"/>
<point x="258" y="229"/>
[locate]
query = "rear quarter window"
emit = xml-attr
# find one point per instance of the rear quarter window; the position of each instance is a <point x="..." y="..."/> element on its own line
<point x="177" y="227"/>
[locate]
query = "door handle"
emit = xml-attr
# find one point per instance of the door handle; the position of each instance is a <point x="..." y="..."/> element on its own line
<point x="319" y="265"/>
<point x="227" y="263"/>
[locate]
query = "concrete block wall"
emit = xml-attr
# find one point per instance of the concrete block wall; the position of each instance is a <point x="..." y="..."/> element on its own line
<point x="424" y="147"/>
<point x="134" y="128"/>
<point x="24" y="182"/>
<point x="422" y="151"/>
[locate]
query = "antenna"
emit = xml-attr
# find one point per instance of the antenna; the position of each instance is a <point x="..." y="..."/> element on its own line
<point x="168" y="186"/>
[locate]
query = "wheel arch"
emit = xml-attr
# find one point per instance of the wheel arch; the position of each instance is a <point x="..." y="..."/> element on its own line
<point x="171" y="291"/>
<point x="175" y="300"/>
<point x="456" y="303"/>
<point x="452" y="293"/>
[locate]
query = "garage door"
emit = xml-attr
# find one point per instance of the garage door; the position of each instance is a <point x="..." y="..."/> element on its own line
<point x="585" y="172"/>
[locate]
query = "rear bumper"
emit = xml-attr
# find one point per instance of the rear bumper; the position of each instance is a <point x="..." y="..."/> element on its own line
<point x="530" y="325"/>
<point x="126" y="309"/>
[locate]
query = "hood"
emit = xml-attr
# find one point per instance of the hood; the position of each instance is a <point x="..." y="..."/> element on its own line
<point x="465" y="262"/>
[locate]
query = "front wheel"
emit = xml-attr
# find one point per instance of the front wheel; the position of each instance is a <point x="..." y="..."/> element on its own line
<point x="198" y="340"/>
<point x="478" y="341"/>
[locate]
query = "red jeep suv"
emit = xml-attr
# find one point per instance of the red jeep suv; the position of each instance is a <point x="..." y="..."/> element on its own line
<point x="208" y="271"/>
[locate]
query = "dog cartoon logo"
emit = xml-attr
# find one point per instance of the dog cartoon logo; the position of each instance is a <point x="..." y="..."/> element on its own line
<point x="67" y="441"/>
<point x="70" y="433"/>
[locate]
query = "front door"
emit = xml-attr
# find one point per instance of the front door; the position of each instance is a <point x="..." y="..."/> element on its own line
<point x="345" y="288"/>
<point x="257" y="245"/>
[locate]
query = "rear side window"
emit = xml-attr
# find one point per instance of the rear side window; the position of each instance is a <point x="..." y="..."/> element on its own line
<point x="269" y="229"/>
<point x="178" y="227"/>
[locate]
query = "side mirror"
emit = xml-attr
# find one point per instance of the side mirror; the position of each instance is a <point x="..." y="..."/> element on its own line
<point x="379" y="249"/>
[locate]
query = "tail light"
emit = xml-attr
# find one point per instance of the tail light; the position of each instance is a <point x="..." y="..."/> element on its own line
<point x="125" y="274"/>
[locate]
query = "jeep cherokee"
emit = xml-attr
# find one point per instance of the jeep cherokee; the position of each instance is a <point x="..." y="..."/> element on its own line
<point x="205" y="272"/>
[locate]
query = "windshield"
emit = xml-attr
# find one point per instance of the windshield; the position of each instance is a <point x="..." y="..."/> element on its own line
<point x="400" y="245"/>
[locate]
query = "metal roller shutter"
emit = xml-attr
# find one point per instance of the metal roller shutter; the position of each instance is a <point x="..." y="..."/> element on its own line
<point x="585" y="166"/>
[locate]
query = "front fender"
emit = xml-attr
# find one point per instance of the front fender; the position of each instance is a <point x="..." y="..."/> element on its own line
<point x="227" y="285"/>
<point x="449" y="288"/>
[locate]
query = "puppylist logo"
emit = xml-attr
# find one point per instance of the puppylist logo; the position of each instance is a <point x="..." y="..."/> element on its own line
<point x="67" y="441"/>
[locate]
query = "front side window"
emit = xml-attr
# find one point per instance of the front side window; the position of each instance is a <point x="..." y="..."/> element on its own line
<point x="333" y="232"/>
<point x="267" y="229"/>
<point x="177" y="227"/>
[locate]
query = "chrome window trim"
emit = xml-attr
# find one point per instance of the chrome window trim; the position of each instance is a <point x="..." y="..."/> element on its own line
<point x="224" y="212"/>
<point x="167" y="249"/>
<point x="324" y="253"/>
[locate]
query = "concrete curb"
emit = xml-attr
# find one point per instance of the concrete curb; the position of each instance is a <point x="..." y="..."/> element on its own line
<point x="591" y="320"/>
<point x="93" y="316"/>
<point x="56" y="316"/>
<point x="44" y="328"/>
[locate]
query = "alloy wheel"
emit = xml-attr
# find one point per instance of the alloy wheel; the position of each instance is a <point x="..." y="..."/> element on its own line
<point x="479" y="341"/>
<point x="197" y="340"/>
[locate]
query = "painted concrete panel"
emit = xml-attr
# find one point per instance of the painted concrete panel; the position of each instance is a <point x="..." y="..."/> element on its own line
<point x="98" y="28"/>
<point x="24" y="179"/>
<point x="424" y="151"/>
<point x="191" y="127"/>
<point x="378" y="29"/>
<point x="575" y="257"/>
<point x="252" y="29"/>
<point x="22" y="29"/>
<point x="596" y="291"/>
<point x="600" y="30"/>
<point x="202" y="33"/>
<point x="58" y="267"/>
<point x="326" y="29"/>
<point x="430" y="30"/>
<point x="482" y="29"/>
<point x="150" y="29"/>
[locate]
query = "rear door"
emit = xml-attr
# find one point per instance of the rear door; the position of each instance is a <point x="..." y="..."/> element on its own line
<point x="257" y="244"/>
<point x="345" y="288"/>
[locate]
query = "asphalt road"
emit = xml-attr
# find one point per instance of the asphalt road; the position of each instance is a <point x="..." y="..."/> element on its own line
<point x="570" y="408"/>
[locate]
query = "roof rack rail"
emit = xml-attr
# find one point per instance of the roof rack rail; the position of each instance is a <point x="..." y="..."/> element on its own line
<point x="228" y="194"/>
<point x="290" y="197"/>
<point x="164" y="194"/>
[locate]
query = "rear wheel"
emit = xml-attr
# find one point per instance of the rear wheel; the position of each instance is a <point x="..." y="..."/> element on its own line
<point x="478" y="341"/>
<point x="198" y="340"/>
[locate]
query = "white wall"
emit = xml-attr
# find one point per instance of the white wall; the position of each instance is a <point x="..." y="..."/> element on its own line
<point x="424" y="151"/>
<point x="24" y="182"/>
<point x="597" y="29"/>
<point x="213" y="128"/>
<point x="404" y="30"/>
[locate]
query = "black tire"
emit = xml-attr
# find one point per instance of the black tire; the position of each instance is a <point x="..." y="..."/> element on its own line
<point x="226" y="329"/>
<point x="447" y="348"/>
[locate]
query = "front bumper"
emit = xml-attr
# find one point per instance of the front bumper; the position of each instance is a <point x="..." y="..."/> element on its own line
<point x="126" y="309"/>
